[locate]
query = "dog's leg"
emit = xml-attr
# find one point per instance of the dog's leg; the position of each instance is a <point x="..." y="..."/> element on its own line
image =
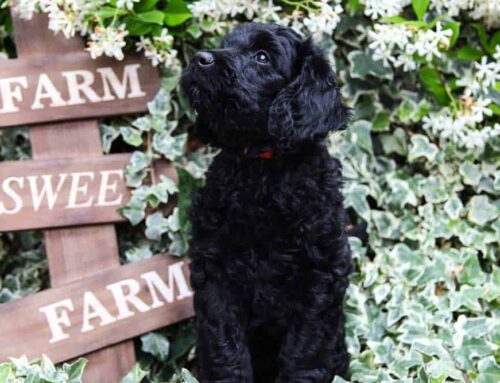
<point x="222" y="353"/>
<point x="314" y="349"/>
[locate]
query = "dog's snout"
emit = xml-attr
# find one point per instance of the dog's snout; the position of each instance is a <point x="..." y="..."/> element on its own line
<point x="204" y="58"/>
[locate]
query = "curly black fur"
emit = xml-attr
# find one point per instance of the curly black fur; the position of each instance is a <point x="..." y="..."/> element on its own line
<point x="270" y="257"/>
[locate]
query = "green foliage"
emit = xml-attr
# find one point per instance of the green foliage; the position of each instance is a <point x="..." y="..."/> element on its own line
<point x="41" y="371"/>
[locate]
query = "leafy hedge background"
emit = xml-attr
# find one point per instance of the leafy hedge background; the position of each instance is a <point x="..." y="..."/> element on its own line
<point x="421" y="161"/>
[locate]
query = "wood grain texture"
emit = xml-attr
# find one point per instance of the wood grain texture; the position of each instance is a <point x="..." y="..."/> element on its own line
<point x="34" y="39"/>
<point x="53" y="66"/>
<point x="29" y="315"/>
<point x="56" y="193"/>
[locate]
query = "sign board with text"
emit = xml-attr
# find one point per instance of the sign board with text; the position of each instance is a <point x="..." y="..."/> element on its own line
<point x="73" y="86"/>
<point x="65" y="192"/>
<point x="74" y="192"/>
<point x="97" y="311"/>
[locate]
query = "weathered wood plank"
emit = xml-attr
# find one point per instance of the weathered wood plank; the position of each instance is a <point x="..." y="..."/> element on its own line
<point x="97" y="311"/>
<point x="73" y="86"/>
<point x="66" y="246"/>
<point x="64" y="192"/>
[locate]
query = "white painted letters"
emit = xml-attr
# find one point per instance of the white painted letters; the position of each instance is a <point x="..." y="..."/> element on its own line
<point x="10" y="91"/>
<point x="93" y="308"/>
<point x="130" y="77"/>
<point x="81" y="87"/>
<point x="46" y="89"/>
<point x="128" y="298"/>
<point x="175" y="275"/>
<point x="7" y="189"/>
<point x="107" y="186"/>
<point x="57" y="320"/>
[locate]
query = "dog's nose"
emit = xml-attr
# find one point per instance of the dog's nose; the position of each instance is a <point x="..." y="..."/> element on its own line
<point x="204" y="58"/>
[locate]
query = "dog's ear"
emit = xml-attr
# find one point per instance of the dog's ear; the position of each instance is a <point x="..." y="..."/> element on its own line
<point x="310" y="106"/>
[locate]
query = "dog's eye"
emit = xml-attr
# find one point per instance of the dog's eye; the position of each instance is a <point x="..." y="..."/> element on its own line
<point x="261" y="57"/>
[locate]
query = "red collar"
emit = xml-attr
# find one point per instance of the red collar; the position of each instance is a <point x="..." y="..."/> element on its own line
<point x="266" y="155"/>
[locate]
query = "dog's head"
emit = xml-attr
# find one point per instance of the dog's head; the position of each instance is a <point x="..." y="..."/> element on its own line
<point x="265" y="86"/>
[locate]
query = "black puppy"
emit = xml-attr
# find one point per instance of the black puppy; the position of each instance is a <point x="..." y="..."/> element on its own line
<point x="270" y="257"/>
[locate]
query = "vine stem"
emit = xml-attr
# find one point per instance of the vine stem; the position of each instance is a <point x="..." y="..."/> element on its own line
<point x="445" y="86"/>
<point x="149" y="144"/>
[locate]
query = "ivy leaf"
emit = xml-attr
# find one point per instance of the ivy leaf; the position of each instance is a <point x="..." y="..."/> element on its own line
<point x="131" y="136"/>
<point x="421" y="147"/>
<point x="471" y="349"/>
<point x="489" y="371"/>
<point x="74" y="370"/>
<point x="453" y="207"/>
<point x="156" y="225"/>
<point x="176" y="12"/>
<point x="470" y="172"/>
<point x="355" y="197"/>
<point x="187" y="377"/>
<point x="138" y="253"/>
<point x="481" y="210"/>
<point x="172" y="147"/>
<point x="363" y="65"/>
<point x="381" y="122"/>
<point x="359" y="133"/>
<point x="139" y="161"/>
<point x="431" y="80"/>
<point x="160" y="106"/>
<point x="135" y="210"/>
<point x="430" y="347"/>
<point x="136" y="375"/>
<point x="156" y="344"/>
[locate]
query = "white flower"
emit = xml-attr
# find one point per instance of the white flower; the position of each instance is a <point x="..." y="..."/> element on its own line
<point x="164" y="38"/>
<point x="496" y="55"/>
<point x="269" y="12"/>
<point x="479" y="109"/>
<point x="325" y="20"/>
<point x="128" y="4"/>
<point x="462" y="128"/>
<point x="382" y="8"/>
<point x="108" y="41"/>
<point x="429" y="43"/>
<point x="25" y="8"/>
<point x="487" y="73"/>
<point x="406" y="61"/>
<point x="471" y="84"/>
<point x="489" y="10"/>
<point x="450" y="7"/>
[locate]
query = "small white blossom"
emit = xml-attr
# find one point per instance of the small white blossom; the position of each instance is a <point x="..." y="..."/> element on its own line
<point x="377" y="9"/>
<point x="109" y="41"/>
<point x="325" y="20"/>
<point x="429" y="43"/>
<point x="269" y="12"/>
<point x="487" y="10"/>
<point x="487" y="73"/>
<point x="128" y="4"/>
<point x="25" y="8"/>
<point x="450" y="7"/>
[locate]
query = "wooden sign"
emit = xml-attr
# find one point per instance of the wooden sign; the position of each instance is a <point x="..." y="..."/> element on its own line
<point x="94" y="305"/>
<point x="97" y="311"/>
<point x="73" y="86"/>
<point x="65" y="192"/>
